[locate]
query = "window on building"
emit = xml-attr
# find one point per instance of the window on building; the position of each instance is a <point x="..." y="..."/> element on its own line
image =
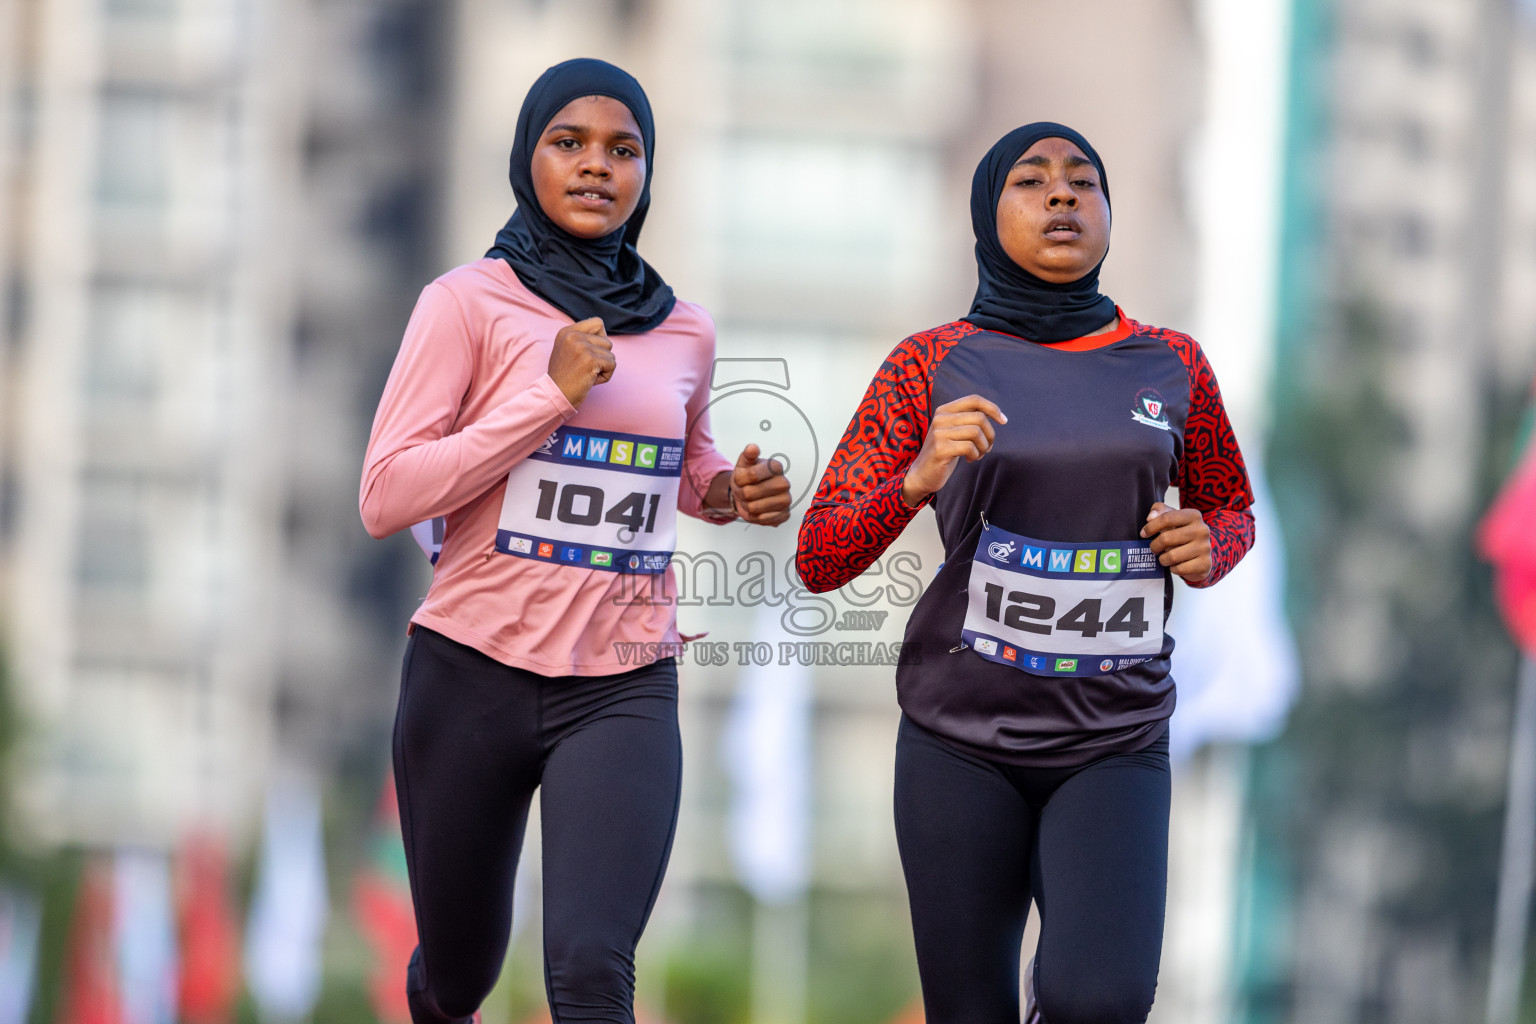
<point x="860" y="30"/>
<point x="864" y="210"/>
<point x="139" y="8"/>
<point x="133" y="159"/>
<point x="112" y="549"/>
<point x="127" y="328"/>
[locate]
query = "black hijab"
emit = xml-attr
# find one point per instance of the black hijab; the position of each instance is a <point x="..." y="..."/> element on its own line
<point x="1009" y="298"/>
<point x="582" y="277"/>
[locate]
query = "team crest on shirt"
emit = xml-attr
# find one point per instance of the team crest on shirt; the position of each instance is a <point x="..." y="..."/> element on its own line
<point x="1150" y="409"/>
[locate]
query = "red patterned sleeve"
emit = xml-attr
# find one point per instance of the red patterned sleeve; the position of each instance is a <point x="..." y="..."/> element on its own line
<point x="1212" y="475"/>
<point x="857" y="511"/>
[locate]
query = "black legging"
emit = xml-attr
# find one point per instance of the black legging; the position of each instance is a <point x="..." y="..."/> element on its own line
<point x="1090" y="844"/>
<point x="473" y="738"/>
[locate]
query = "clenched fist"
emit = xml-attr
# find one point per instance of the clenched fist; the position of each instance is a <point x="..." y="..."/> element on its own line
<point x="1181" y="539"/>
<point x="756" y="491"/>
<point x="582" y="357"/>
<point x="961" y="429"/>
<point x="759" y="489"/>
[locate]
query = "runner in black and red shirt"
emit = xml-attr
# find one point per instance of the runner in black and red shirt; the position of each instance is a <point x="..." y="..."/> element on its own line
<point x="1046" y="428"/>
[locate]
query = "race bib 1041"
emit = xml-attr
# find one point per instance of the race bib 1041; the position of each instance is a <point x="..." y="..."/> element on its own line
<point x="1057" y="609"/>
<point x="597" y="499"/>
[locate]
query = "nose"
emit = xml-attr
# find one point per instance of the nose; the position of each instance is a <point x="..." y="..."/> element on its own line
<point x="594" y="160"/>
<point x="1061" y="194"/>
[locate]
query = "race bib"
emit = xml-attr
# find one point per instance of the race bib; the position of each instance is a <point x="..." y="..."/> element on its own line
<point x="1057" y="609"/>
<point x="597" y="499"/>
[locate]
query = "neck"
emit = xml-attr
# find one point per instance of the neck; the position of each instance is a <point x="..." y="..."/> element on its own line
<point x="1113" y="323"/>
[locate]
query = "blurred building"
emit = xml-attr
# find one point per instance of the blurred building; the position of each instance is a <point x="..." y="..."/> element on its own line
<point x="375" y="117"/>
<point x="210" y="213"/>
<point x="1406" y="343"/>
<point x="152" y="168"/>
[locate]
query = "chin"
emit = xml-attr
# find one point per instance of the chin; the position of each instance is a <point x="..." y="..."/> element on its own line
<point x="1062" y="275"/>
<point x="587" y="230"/>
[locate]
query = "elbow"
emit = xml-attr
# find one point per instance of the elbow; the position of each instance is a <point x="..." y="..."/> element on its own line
<point x="813" y="577"/>
<point x="375" y="522"/>
<point x="819" y="571"/>
<point x="377" y="528"/>
<point x="374" y="509"/>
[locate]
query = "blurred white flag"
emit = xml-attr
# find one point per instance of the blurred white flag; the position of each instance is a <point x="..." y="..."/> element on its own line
<point x="19" y="919"/>
<point x="144" y="934"/>
<point x="1235" y="660"/>
<point x="289" y="910"/>
<point x="766" y="752"/>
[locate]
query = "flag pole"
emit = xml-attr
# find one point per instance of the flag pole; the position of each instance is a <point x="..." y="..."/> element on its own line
<point x="1518" y="859"/>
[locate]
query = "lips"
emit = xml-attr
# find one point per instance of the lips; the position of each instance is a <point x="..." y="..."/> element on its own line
<point x="594" y="195"/>
<point x="1063" y="228"/>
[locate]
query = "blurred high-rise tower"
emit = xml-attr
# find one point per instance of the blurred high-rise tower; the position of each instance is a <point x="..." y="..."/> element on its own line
<point x="151" y="150"/>
<point x="1405" y="346"/>
<point x="209" y="213"/>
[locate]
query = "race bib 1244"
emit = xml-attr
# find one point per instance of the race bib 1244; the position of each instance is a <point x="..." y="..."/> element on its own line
<point x="595" y="499"/>
<point x="1058" y="609"/>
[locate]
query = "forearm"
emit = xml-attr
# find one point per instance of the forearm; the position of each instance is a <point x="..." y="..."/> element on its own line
<point x="1232" y="533"/>
<point x="839" y="540"/>
<point x="717" y="506"/>
<point x="860" y="507"/>
<point x="912" y="496"/>
<point x="719" y="493"/>
<point x="410" y="476"/>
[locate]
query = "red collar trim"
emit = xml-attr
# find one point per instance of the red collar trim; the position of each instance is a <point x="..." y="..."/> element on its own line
<point x="1124" y="329"/>
<point x="1088" y="343"/>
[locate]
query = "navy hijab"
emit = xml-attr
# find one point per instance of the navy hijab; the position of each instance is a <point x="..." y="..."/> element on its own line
<point x="582" y="277"/>
<point x="1009" y="298"/>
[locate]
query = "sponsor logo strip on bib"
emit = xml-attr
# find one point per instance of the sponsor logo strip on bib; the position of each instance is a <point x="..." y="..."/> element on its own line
<point x="1058" y="609"/>
<point x="595" y="499"/>
<point x="614" y="452"/>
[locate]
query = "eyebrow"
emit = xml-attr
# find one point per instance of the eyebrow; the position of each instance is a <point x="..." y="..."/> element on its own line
<point x="1043" y="161"/>
<point x="581" y="129"/>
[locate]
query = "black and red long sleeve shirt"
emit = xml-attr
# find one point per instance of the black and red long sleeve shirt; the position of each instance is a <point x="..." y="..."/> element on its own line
<point x="1098" y="429"/>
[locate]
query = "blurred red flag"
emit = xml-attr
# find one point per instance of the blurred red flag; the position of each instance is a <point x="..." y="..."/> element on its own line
<point x="1507" y="538"/>
<point x="381" y="904"/>
<point x="90" y="991"/>
<point x="210" y="934"/>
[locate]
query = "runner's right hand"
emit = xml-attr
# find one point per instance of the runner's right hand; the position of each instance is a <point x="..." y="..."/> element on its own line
<point x="582" y="357"/>
<point x="961" y="429"/>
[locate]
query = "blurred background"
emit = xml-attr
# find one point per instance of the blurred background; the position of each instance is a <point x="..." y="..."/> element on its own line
<point x="216" y="215"/>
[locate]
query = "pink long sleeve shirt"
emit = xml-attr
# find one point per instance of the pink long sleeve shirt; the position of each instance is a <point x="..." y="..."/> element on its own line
<point x="469" y="399"/>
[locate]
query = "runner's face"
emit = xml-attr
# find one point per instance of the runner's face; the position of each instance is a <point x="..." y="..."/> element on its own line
<point x="589" y="167"/>
<point x="1052" y="218"/>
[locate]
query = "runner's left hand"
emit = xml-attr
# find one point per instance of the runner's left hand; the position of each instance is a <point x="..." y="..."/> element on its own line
<point x="759" y="488"/>
<point x="1181" y="540"/>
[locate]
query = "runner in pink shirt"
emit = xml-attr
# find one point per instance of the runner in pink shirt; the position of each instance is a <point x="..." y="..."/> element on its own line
<point x="556" y="458"/>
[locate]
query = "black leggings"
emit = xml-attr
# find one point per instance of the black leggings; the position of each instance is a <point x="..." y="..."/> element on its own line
<point x="473" y="738"/>
<point x="1090" y="844"/>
